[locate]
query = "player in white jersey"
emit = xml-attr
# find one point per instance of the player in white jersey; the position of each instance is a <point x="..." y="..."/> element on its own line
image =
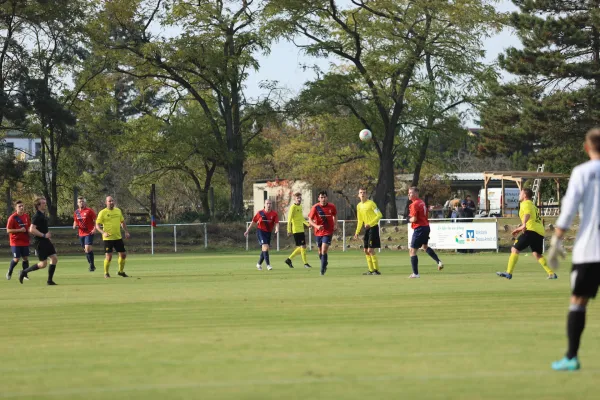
<point x="583" y="195"/>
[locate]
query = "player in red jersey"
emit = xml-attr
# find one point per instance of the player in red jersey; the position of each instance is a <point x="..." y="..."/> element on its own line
<point x="266" y="220"/>
<point x="85" y="219"/>
<point x="17" y="228"/>
<point x="420" y="225"/>
<point x="323" y="217"/>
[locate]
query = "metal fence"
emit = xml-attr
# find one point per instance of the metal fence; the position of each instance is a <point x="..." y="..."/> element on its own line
<point x="393" y="232"/>
<point x="144" y="238"/>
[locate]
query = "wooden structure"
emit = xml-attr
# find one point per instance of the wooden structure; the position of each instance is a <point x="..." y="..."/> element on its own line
<point x="519" y="177"/>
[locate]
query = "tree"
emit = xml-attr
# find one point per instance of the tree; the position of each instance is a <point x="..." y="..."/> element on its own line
<point x="556" y="97"/>
<point x="382" y="45"/>
<point x="205" y="60"/>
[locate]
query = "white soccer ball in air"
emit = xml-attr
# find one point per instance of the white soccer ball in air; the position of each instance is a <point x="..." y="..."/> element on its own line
<point x="365" y="135"/>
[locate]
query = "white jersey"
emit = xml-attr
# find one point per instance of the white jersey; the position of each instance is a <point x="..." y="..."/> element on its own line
<point x="583" y="195"/>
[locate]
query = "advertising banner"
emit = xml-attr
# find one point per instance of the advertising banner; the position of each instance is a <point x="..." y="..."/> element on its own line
<point x="461" y="235"/>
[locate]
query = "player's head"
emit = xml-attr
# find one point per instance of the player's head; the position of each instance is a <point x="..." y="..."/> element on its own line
<point x="20" y="207"/>
<point x="525" y="194"/>
<point x="463" y="204"/>
<point x="110" y="202"/>
<point x="362" y="194"/>
<point x="323" y="197"/>
<point x="468" y="197"/>
<point x="40" y="204"/>
<point x="268" y="204"/>
<point x="592" y="141"/>
<point x="413" y="193"/>
<point x="297" y="198"/>
<point x="81" y="202"/>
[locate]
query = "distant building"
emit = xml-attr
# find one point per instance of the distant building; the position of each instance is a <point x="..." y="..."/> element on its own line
<point x="281" y="192"/>
<point x="23" y="147"/>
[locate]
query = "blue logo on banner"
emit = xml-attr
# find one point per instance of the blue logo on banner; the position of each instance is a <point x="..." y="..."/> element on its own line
<point x="470" y="235"/>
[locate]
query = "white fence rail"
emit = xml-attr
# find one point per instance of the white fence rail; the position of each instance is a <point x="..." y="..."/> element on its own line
<point x="161" y="231"/>
<point x="455" y="225"/>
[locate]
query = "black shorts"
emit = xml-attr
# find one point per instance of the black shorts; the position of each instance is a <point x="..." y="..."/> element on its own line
<point x="420" y="237"/>
<point x="118" y="245"/>
<point x="585" y="279"/>
<point x="371" y="240"/>
<point x="530" y="239"/>
<point x="300" y="239"/>
<point x="45" y="249"/>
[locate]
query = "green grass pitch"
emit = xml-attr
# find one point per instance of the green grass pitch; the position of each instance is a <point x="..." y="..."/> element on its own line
<point x="210" y="326"/>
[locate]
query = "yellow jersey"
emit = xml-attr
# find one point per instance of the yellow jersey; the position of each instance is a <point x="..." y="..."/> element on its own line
<point x="296" y="221"/>
<point x="111" y="222"/>
<point x="368" y="214"/>
<point x="535" y="222"/>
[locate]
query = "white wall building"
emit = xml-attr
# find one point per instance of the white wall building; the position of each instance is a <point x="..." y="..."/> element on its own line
<point x="23" y="147"/>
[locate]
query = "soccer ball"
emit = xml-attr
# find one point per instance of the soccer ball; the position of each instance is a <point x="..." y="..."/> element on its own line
<point x="365" y="135"/>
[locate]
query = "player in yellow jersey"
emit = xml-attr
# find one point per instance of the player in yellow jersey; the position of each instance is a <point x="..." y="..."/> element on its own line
<point x="295" y="226"/>
<point x="111" y="219"/>
<point x="368" y="214"/>
<point x="532" y="235"/>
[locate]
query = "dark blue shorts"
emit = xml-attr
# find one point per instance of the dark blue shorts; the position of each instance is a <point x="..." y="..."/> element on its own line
<point x="86" y="240"/>
<point x="19" y="251"/>
<point x="264" y="237"/>
<point x="420" y="237"/>
<point x="324" y="239"/>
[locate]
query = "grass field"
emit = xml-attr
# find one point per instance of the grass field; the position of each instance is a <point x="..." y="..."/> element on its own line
<point x="213" y="327"/>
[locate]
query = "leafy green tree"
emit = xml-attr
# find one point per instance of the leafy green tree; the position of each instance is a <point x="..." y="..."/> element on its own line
<point x="204" y="59"/>
<point x="556" y="97"/>
<point x="383" y="46"/>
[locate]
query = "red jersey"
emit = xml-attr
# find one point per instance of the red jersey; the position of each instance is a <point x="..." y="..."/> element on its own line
<point x="85" y="220"/>
<point x="323" y="215"/>
<point x="16" y="221"/>
<point x="418" y="209"/>
<point x="266" y="220"/>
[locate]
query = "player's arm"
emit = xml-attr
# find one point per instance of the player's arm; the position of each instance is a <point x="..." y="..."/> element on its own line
<point x="34" y="231"/>
<point x="276" y="222"/>
<point x="411" y="213"/>
<point x="250" y="226"/>
<point x="376" y="218"/>
<point x="74" y="221"/>
<point x="11" y="229"/>
<point x="523" y="226"/>
<point x="334" y="218"/>
<point x="93" y="216"/>
<point x="289" y="220"/>
<point x="124" y="226"/>
<point x="311" y="216"/>
<point x="99" y="221"/>
<point x="358" y="223"/>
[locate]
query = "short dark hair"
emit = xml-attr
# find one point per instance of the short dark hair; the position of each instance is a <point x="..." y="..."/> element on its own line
<point x="323" y="192"/>
<point x="80" y="198"/>
<point x="18" y="202"/>
<point x="468" y="196"/>
<point x="593" y="139"/>
<point x="528" y="193"/>
<point x="297" y="194"/>
<point x="414" y="189"/>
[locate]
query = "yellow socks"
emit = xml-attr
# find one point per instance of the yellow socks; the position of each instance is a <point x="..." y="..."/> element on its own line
<point x="106" y="266"/>
<point x="295" y="252"/>
<point x="375" y="262"/>
<point x="544" y="265"/>
<point x="369" y="262"/>
<point x="303" y="254"/>
<point x="512" y="261"/>
<point x="121" y="264"/>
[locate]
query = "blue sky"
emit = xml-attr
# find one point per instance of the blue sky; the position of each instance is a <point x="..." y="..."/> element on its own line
<point x="283" y="64"/>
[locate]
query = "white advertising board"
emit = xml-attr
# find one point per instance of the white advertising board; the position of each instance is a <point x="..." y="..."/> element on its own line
<point x="461" y="235"/>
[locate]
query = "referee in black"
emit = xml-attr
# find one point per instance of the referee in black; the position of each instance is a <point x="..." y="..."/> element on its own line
<point x="41" y="242"/>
